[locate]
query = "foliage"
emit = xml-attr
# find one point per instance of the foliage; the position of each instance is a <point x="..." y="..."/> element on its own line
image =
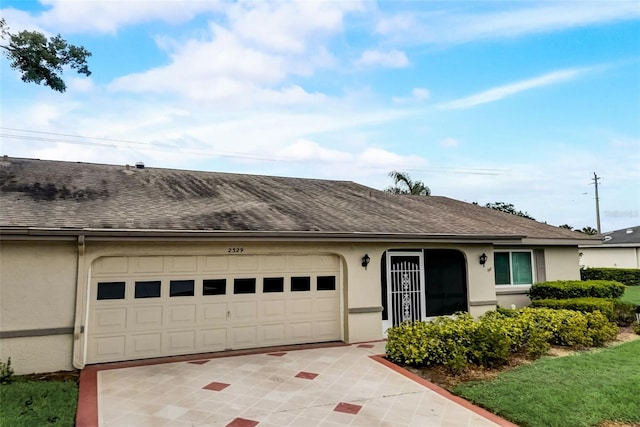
<point x="626" y="276"/>
<point x="459" y="341"/>
<point x="6" y="372"/>
<point x="585" y="305"/>
<point x="403" y="184"/>
<point x="563" y="289"/>
<point x="508" y="208"/>
<point x="624" y="313"/>
<point x="41" y="59"/>
<point x="37" y="403"/>
<point x="632" y="295"/>
<point x="588" y="230"/>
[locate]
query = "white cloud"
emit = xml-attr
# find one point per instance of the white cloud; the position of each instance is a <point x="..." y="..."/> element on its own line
<point x="441" y="26"/>
<point x="304" y="149"/>
<point x="500" y="92"/>
<point x="378" y="158"/>
<point x="392" y="59"/>
<point x="420" y="94"/>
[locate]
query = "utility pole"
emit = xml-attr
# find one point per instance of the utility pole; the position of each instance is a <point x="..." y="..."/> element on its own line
<point x="595" y="181"/>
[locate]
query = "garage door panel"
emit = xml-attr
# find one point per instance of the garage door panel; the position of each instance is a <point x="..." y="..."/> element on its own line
<point x="147" y="264"/>
<point x="214" y="339"/>
<point x="180" y="315"/>
<point x="213" y="312"/>
<point x="143" y="318"/>
<point x="234" y="302"/>
<point x="273" y="334"/>
<point x="244" y="311"/>
<point x="244" y="336"/>
<point x="273" y="309"/>
<point x="109" y="320"/>
<point x="181" y="341"/>
<point x="108" y="348"/>
<point x="145" y="345"/>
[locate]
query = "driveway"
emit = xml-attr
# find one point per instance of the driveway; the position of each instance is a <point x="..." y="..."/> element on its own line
<point x="330" y="386"/>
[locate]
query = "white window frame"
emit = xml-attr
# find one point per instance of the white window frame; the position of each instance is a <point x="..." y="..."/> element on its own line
<point x="511" y="285"/>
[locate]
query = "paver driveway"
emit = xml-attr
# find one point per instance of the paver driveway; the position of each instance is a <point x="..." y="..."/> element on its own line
<point x="333" y="386"/>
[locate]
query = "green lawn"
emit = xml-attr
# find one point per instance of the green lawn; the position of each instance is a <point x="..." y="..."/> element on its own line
<point x="579" y="390"/>
<point x="30" y="403"/>
<point x="631" y="294"/>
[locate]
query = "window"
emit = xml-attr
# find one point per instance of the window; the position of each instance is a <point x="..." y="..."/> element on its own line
<point x="181" y="288"/>
<point x="326" y="283"/>
<point x="244" y="286"/>
<point x="150" y="289"/>
<point x="272" y="284"/>
<point x="214" y="286"/>
<point x="110" y="290"/>
<point x="513" y="268"/>
<point x="300" y="284"/>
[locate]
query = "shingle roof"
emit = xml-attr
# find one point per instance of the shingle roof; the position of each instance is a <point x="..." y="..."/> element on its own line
<point x="67" y="195"/>
<point x="625" y="236"/>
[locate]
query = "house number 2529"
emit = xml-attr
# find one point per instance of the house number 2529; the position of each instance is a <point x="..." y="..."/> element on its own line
<point x="235" y="250"/>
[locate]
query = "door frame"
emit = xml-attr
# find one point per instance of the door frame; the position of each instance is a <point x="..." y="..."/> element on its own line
<point x="386" y="324"/>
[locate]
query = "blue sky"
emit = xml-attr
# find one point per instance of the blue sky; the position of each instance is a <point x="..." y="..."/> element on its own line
<point x="513" y="101"/>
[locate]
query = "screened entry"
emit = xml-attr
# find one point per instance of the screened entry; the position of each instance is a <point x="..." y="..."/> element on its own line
<point x="423" y="283"/>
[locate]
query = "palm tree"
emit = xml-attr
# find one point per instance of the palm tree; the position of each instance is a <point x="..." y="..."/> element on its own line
<point x="403" y="184"/>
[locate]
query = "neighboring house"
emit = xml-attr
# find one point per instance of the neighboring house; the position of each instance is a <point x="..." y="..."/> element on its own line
<point x="619" y="249"/>
<point x="103" y="263"/>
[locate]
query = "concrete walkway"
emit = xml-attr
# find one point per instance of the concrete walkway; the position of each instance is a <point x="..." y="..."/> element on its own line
<point x="335" y="386"/>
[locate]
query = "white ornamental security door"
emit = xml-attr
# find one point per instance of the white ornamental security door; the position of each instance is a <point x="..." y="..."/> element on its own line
<point x="405" y="287"/>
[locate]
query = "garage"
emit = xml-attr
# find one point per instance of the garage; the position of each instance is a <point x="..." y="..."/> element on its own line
<point x="154" y="306"/>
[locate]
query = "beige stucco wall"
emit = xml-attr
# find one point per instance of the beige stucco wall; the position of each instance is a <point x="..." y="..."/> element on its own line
<point x="39" y="288"/>
<point x="610" y="257"/>
<point x="37" y="291"/>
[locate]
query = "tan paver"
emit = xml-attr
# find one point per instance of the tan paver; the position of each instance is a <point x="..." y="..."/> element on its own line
<point x="319" y="387"/>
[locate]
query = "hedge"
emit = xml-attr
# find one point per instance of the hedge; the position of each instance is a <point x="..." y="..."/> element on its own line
<point x="626" y="276"/>
<point x="490" y="341"/>
<point x="585" y="305"/>
<point x="564" y="289"/>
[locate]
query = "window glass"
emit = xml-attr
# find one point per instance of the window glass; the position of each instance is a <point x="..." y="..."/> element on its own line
<point x="521" y="266"/>
<point x="300" y="284"/>
<point x="244" y="286"/>
<point x="273" y="284"/>
<point x="502" y="268"/>
<point x="148" y="289"/>
<point x="111" y="290"/>
<point x="326" y="283"/>
<point x="181" y="288"/>
<point x="214" y="286"/>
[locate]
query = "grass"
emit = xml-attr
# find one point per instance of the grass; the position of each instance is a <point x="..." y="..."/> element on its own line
<point x="631" y="294"/>
<point x="30" y="402"/>
<point x="580" y="390"/>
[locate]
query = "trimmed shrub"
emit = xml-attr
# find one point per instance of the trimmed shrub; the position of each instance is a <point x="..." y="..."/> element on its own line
<point x="626" y="276"/>
<point x="565" y="289"/>
<point x="456" y="342"/>
<point x="585" y="305"/>
<point x="624" y="313"/>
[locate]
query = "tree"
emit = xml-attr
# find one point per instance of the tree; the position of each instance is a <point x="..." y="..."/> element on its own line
<point x="405" y="185"/>
<point x="508" y="208"/>
<point x="566" y="226"/>
<point x="41" y="59"/>
<point x="588" y="230"/>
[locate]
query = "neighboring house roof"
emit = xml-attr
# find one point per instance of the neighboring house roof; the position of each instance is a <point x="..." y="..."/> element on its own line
<point x="67" y="196"/>
<point x="626" y="237"/>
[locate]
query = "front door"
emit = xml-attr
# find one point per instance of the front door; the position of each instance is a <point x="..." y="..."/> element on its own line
<point x="405" y="288"/>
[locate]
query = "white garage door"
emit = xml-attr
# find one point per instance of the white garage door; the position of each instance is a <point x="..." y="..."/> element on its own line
<point x="152" y="306"/>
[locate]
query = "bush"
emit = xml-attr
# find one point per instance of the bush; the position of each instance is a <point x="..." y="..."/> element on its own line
<point x="456" y="342"/>
<point x="624" y="313"/>
<point x="6" y="372"/>
<point x="565" y="289"/>
<point x="585" y="305"/>
<point x="626" y="276"/>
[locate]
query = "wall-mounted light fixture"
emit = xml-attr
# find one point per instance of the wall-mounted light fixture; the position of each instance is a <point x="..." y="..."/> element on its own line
<point x="365" y="261"/>
<point x="483" y="259"/>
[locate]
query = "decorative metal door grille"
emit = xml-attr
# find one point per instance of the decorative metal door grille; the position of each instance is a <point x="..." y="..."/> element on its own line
<point x="406" y="292"/>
